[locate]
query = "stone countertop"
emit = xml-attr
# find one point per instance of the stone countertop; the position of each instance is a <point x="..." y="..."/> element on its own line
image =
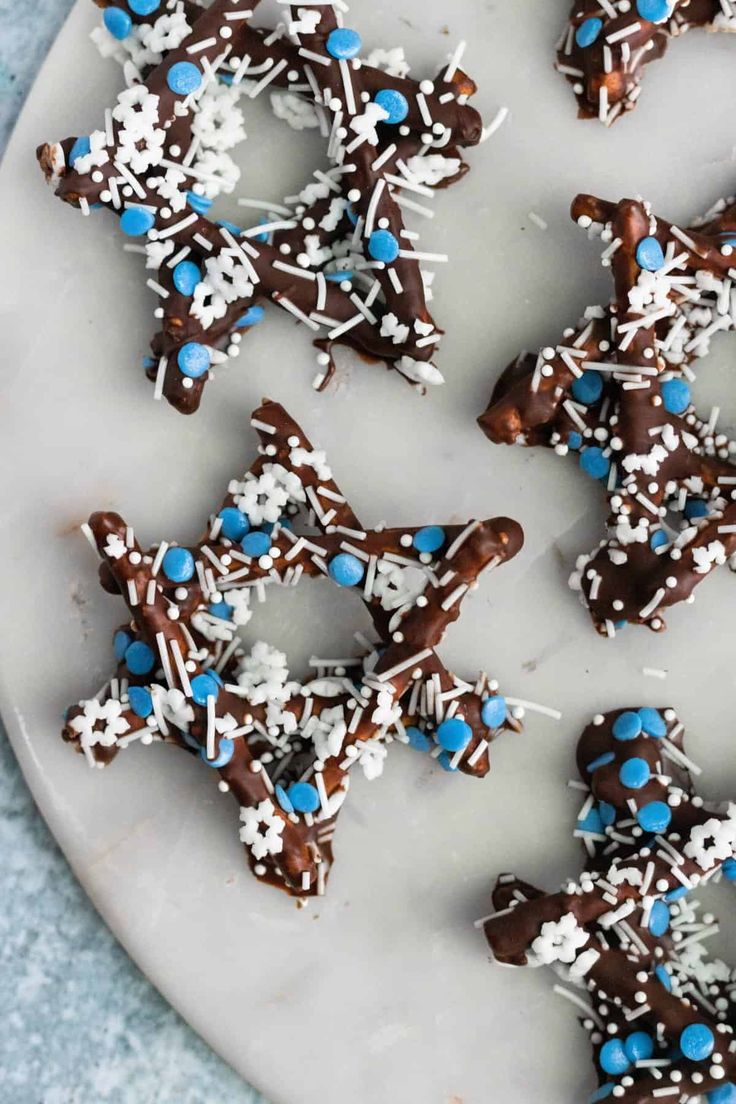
<point x="81" y="1025"/>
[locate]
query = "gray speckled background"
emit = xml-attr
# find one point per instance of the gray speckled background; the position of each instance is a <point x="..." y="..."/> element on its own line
<point x="81" y="1025"/>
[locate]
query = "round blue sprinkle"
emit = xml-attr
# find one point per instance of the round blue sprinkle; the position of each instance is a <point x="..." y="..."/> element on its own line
<point x="729" y="870"/>
<point x="454" y="734"/>
<point x="594" y="463"/>
<point x="659" y="919"/>
<point x="221" y="610"/>
<point x="429" y="539"/>
<point x="280" y="794"/>
<point x="588" y="32"/>
<point x="136" y="221"/>
<point x="587" y="388"/>
<point x="653" y="722"/>
<point x="140" y="700"/>
<point x="225" y="753"/>
<point x="383" y="246"/>
<point x="696" y="508"/>
<point x="627" y="726"/>
<point x="199" y="203"/>
<point x="234" y="523"/>
<point x="493" y="711"/>
<point x="613" y="1057"/>
<point x="340" y="275"/>
<point x="723" y="1094"/>
<point x="445" y="761"/>
<point x="118" y="22"/>
<point x="591" y="823"/>
<point x="658" y="539"/>
<point x="676" y="894"/>
<point x="675" y="396"/>
<point x="574" y="439"/>
<point x="283" y="522"/>
<point x="343" y="43"/>
<point x="183" y="78"/>
<point x="394" y="104"/>
<point x="602" y="1093"/>
<point x="602" y="761"/>
<point x="304" y="797"/>
<point x="656" y="11"/>
<point x="256" y="543"/>
<point x="186" y="277"/>
<point x="193" y="359"/>
<point x="634" y="773"/>
<point x="178" y="565"/>
<point x="80" y="148"/>
<point x="639" y="1046"/>
<point x="120" y="644"/>
<point x="345" y="569"/>
<point x="697" y="1042"/>
<point x="654" y="817"/>
<point x="204" y="687"/>
<point x="252" y="316"/>
<point x="649" y="254"/>
<point x="418" y="739"/>
<point x="144" y="7"/>
<point x="139" y="658"/>
<point x="607" y="813"/>
<point x="663" y="977"/>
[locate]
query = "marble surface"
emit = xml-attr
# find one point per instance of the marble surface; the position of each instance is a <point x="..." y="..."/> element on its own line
<point x="81" y="1025"/>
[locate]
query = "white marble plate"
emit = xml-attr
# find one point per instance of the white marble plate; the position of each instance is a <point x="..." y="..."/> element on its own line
<point x="382" y="992"/>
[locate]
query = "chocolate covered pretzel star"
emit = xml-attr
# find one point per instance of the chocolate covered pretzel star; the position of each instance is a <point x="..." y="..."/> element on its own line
<point x="627" y="934"/>
<point x="286" y="748"/>
<point x="616" y="393"/>
<point x="337" y="256"/>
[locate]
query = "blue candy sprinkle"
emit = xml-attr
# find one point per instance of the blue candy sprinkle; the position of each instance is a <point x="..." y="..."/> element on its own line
<point x="445" y="761"/>
<point x="144" y="7"/>
<point x="613" y="1058"/>
<point x="627" y="726"/>
<point x="663" y="977"/>
<point x="120" y="644"/>
<point x="654" y="817"/>
<point x="588" y="32"/>
<point x="602" y="1093"/>
<point x="343" y="43"/>
<point x="345" y="569"/>
<point x="256" y="543"/>
<point x="186" y="277"/>
<point x="199" y="203"/>
<point x="658" y="539"/>
<point x="696" y="508"/>
<point x="649" y="254"/>
<point x="594" y="463"/>
<point x="675" y="396"/>
<point x="634" y="773"/>
<point x="304" y="797"/>
<point x="193" y="359"/>
<point x="383" y="246"/>
<point x="587" y="388"/>
<point x="136" y="221"/>
<point x="394" y="104"/>
<point x="140" y="700"/>
<point x="723" y="1094"/>
<point x="591" y="823"/>
<point x="602" y="761"/>
<point x="653" y="722"/>
<point x="676" y="894"/>
<point x="429" y="539"/>
<point x="418" y="739"/>
<point x="281" y="796"/>
<point x="340" y="275"/>
<point x="235" y="230"/>
<point x="607" y="813"/>
<point x="221" y="610"/>
<point x="178" y="565"/>
<point x="659" y="919"/>
<point x="252" y="316"/>
<point x="225" y="753"/>
<point x="234" y="523"/>
<point x="147" y="362"/>
<point x="204" y="687"/>
<point x="80" y="148"/>
<point x="118" y="22"/>
<point x="639" y="1046"/>
<point x="139" y="658"/>
<point x="352" y="215"/>
<point x="697" y="1042"/>
<point x="729" y="870"/>
<point x="574" y="439"/>
<point x="183" y="78"/>
<point x="454" y="734"/>
<point x="656" y="11"/>
<point x="494" y="710"/>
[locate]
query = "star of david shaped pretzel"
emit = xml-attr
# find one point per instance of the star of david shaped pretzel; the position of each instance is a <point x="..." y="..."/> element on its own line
<point x="606" y="45"/>
<point x="337" y="256"/>
<point x="627" y="935"/>
<point x="284" y="748"/>
<point x="615" y="392"/>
